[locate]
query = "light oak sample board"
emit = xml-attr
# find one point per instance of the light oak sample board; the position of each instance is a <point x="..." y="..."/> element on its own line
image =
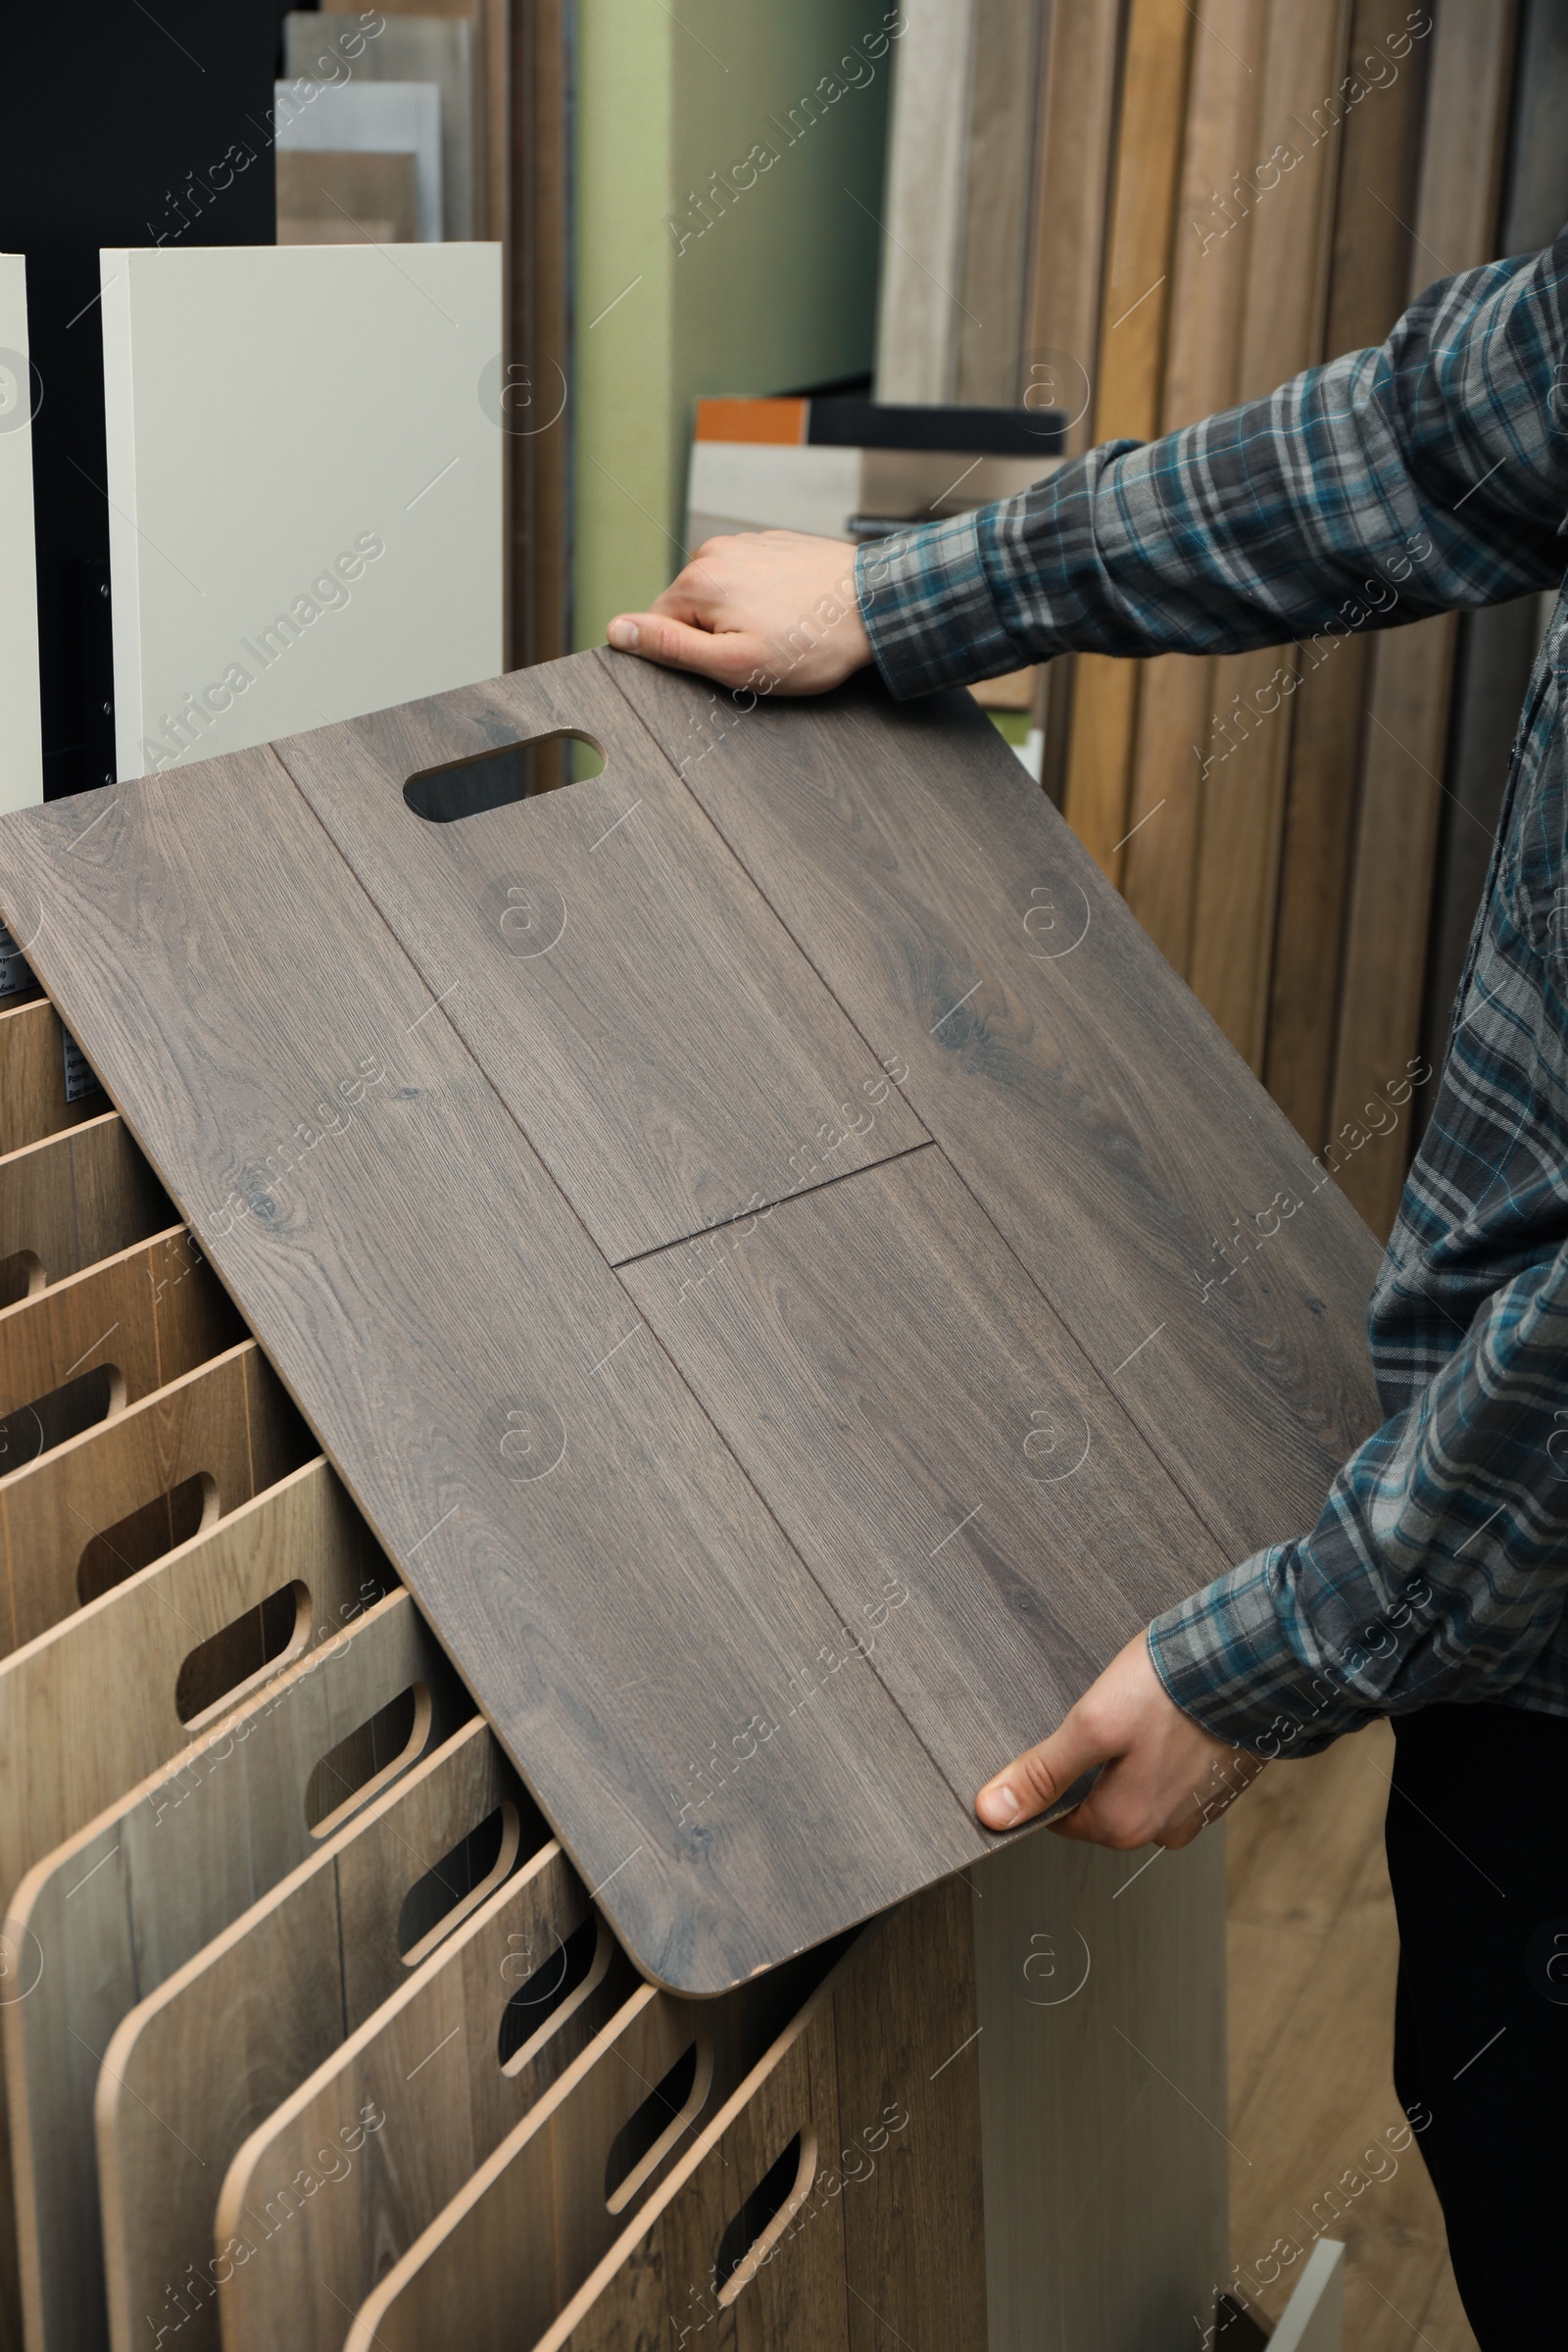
<point x="21" y="742"/>
<point x="304" y="486"/>
<point x="438" y="51"/>
<point x="378" y="119"/>
<point x="573" y="1159"/>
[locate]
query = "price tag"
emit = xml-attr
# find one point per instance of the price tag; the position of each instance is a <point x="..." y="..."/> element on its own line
<point x="79" y="1077"/>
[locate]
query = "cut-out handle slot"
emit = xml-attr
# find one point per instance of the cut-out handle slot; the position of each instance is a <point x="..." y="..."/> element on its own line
<point x="458" y="1883"/>
<point x="219" y="1671"/>
<point x="516" y="772"/>
<point x="144" y="1535"/>
<point x="65" y="1413"/>
<point x="642" y="2143"/>
<point x="22" y="1276"/>
<point x="360" y="1766"/>
<point x="763" y="2219"/>
<point x="548" y="1993"/>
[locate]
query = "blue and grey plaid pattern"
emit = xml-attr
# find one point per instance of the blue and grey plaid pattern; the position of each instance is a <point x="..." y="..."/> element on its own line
<point x="1430" y="474"/>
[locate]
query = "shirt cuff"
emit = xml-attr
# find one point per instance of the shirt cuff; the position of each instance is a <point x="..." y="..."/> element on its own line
<point x="928" y="608"/>
<point x="1226" y="1658"/>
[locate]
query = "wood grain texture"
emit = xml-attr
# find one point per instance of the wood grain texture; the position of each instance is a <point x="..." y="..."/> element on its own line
<point x="1380" y="146"/>
<point x="227" y="1422"/>
<point x="654" y="1123"/>
<point x="536" y="109"/>
<point x="506" y="1427"/>
<point x="657" y="2277"/>
<point x="915" y="2201"/>
<point x="426" y="2063"/>
<point x="78" y="1196"/>
<point x="32" y="1078"/>
<point x="987" y="1521"/>
<point x="200" y="2064"/>
<point x="999" y="162"/>
<point x="1071" y="202"/>
<point x="99" y="1923"/>
<point x="1111" y="1135"/>
<point x="1289" y="244"/>
<point x="919" y="310"/>
<point x="1412" y="670"/>
<point x="522" y="2166"/>
<point x="1135" y="306"/>
<point x="150" y="1314"/>
<point x="1208" y="288"/>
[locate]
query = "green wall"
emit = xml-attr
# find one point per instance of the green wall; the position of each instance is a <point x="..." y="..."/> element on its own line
<point x="689" y="282"/>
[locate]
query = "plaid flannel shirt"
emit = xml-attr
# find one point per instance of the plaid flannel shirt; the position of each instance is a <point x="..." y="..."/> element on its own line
<point x="1429" y="474"/>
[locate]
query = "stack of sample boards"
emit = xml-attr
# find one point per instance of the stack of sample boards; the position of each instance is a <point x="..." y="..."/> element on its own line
<point x="786" y="1282"/>
<point x="1224" y="194"/>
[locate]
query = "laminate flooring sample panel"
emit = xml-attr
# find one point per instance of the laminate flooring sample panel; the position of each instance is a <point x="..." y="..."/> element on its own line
<point x="612" y="1587"/>
<point x="654" y="1030"/>
<point x="1212" y="1274"/>
<point x="791" y="1277"/>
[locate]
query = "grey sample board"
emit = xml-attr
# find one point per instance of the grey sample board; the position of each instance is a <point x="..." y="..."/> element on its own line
<point x="791" y="1277"/>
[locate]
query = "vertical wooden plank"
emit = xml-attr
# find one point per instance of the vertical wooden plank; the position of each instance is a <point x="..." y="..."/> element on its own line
<point x="1209" y="273"/>
<point x="1132" y="355"/>
<point x="1071" y="200"/>
<point x="539" y="333"/>
<point x="920" y="310"/>
<point x="1101" y="1983"/>
<point x="1369" y="279"/>
<point x="906" y="2050"/>
<point x="1282" y="327"/>
<point x="999" y="163"/>
<point x="1407" y="738"/>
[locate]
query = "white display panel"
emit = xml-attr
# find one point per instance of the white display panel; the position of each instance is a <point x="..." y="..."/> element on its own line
<point x="376" y="118"/>
<point x="21" y="744"/>
<point x="304" y="486"/>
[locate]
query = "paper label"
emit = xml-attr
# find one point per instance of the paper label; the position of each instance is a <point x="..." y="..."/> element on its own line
<point x="79" y="1077"/>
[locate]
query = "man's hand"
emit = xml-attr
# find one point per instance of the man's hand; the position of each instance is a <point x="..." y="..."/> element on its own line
<point x="774" y="610"/>
<point x="1164" y="1775"/>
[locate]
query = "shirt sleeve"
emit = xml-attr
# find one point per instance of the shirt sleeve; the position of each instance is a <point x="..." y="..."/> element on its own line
<point x="1427" y="474"/>
<point x="1438" y="1570"/>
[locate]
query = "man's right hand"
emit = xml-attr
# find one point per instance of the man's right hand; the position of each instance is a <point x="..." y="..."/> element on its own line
<point x="774" y="610"/>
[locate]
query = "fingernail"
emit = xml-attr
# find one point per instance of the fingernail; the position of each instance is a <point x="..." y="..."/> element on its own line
<point x="997" y="1805"/>
<point x="623" y="636"/>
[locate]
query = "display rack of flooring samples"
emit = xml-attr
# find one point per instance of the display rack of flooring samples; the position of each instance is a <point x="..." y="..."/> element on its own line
<point x="790" y="1281"/>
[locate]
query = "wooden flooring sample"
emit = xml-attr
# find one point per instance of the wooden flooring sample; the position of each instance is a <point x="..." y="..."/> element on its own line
<point x="1140" y="1175"/>
<point x="694" y="1208"/>
<point x="663" y="1044"/>
<point x="967" y="1489"/>
<point x="616" y="1594"/>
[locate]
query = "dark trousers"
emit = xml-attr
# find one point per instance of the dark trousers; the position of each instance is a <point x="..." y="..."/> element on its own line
<point x="1478" y="1855"/>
